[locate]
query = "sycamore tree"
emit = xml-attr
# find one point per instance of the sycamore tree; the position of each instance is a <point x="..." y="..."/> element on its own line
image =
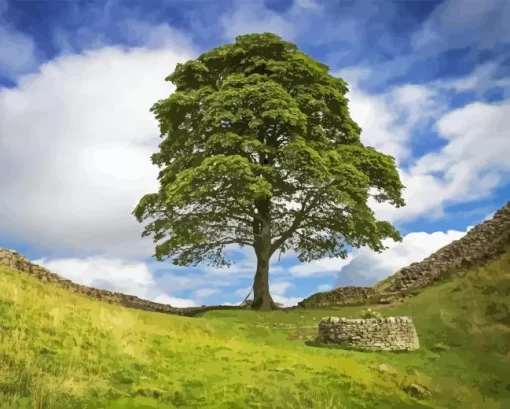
<point x="259" y="150"/>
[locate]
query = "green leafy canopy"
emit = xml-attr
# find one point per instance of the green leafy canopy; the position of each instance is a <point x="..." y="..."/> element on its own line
<point x="258" y="143"/>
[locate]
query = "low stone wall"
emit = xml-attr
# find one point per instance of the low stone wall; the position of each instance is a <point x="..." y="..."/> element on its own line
<point x="339" y="296"/>
<point x="373" y="334"/>
<point x="345" y="296"/>
<point x="13" y="259"/>
<point x="481" y="244"/>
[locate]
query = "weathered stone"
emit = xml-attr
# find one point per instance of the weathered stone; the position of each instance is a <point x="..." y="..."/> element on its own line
<point x="439" y="347"/>
<point x="372" y="334"/>
<point x="481" y="244"/>
<point x="339" y="296"/>
<point x="417" y="391"/>
<point x="14" y="260"/>
<point x="484" y="242"/>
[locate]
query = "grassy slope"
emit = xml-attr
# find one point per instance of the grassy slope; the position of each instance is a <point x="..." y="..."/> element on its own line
<point x="59" y="351"/>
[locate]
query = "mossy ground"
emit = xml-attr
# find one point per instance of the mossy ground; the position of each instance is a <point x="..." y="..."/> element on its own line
<point x="59" y="350"/>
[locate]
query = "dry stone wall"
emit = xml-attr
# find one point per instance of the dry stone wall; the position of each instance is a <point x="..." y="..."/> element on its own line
<point x="13" y="259"/>
<point x="339" y="296"/>
<point x="344" y="296"/>
<point x="484" y="242"/>
<point x="372" y="334"/>
<point x="481" y="244"/>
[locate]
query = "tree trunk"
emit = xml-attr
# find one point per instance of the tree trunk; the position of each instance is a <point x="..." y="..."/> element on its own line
<point x="262" y="299"/>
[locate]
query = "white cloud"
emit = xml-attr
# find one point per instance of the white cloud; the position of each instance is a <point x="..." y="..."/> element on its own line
<point x="470" y="166"/>
<point x="292" y="24"/>
<point x="174" y="301"/>
<point x="245" y="266"/>
<point x="353" y="75"/>
<point x="477" y="133"/>
<point x="206" y="292"/>
<point x="255" y="18"/>
<point x="280" y="288"/>
<point x="243" y="292"/>
<point x="278" y="291"/>
<point x="417" y="104"/>
<point x="143" y="33"/>
<point x="377" y="266"/>
<point x="483" y="77"/>
<point x="388" y="120"/>
<point x="112" y="23"/>
<point x="287" y="301"/>
<point x="79" y="134"/>
<point x="377" y="121"/>
<point x="307" y="4"/>
<point x="454" y="23"/>
<point x="18" y="54"/>
<point x="324" y="287"/>
<point x="488" y="217"/>
<point x="133" y="278"/>
<point x="321" y="267"/>
<point x="171" y="282"/>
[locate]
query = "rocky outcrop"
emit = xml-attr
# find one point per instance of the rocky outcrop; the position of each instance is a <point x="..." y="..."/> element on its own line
<point x="372" y="334"/>
<point x="13" y="259"/>
<point x="481" y="244"/>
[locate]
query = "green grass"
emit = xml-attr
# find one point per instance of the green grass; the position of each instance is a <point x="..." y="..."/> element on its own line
<point x="59" y="350"/>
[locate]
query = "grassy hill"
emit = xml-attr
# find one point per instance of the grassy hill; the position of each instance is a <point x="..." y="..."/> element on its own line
<point x="59" y="350"/>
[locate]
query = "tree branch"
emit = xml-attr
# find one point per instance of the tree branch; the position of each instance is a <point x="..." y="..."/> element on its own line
<point x="194" y="213"/>
<point x="295" y="224"/>
<point x="231" y="240"/>
<point x="247" y="297"/>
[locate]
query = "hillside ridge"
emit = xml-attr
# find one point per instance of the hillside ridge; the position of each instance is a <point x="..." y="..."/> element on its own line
<point x="483" y="243"/>
<point x="12" y="259"/>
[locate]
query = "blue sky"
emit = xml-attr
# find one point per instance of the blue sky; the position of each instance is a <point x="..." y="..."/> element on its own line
<point x="429" y="84"/>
